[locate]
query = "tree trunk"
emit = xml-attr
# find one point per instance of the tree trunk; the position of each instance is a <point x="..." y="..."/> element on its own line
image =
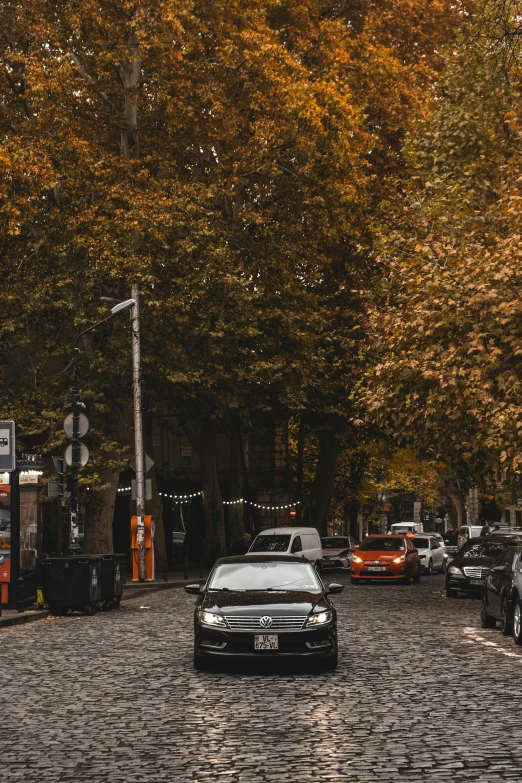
<point x="236" y="523"/>
<point x="324" y="480"/>
<point x="458" y="503"/>
<point x="214" y="544"/>
<point x="98" y="525"/>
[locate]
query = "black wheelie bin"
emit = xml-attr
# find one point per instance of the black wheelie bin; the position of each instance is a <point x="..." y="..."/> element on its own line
<point x="72" y="582"/>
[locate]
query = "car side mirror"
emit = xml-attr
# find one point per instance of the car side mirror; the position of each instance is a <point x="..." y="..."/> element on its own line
<point x="334" y="587"/>
<point x="500" y="569"/>
<point x="193" y="589"/>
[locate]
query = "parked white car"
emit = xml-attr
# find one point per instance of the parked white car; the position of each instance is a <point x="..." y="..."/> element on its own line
<point x="336" y="552"/>
<point x="431" y="553"/>
<point x="298" y="541"/>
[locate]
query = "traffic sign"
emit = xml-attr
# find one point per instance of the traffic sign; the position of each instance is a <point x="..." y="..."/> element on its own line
<point x="83" y="425"/>
<point x="84" y="456"/>
<point x="7" y="446"/>
<point x="148" y="463"/>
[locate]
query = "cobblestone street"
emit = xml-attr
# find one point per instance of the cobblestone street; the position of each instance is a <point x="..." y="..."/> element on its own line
<point x="422" y="693"/>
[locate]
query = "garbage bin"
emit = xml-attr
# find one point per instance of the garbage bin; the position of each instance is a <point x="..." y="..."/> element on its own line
<point x="72" y="582"/>
<point x="112" y="580"/>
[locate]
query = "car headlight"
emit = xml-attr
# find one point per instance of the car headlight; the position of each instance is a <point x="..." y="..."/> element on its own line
<point x="356" y="559"/>
<point x="454" y="570"/>
<point x="319" y="619"/>
<point x="400" y="559"/>
<point x="209" y="618"/>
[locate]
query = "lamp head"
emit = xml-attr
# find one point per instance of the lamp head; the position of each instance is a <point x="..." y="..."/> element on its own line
<point x="121" y="306"/>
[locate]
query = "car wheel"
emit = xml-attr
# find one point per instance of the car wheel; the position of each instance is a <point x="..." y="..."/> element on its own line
<point x="332" y="660"/>
<point x="407" y="577"/>
<point x="443" y="567"/>
<point x="430" y="568"/>
<point x="354" y="580"/>
<point x="451" y="593"/>
<point x="486" y="620"/>
<point x="417" y="576"/>
<point x="199" y="662"/>
<point x="505" y="621"/>
<point x="517" y="622"/>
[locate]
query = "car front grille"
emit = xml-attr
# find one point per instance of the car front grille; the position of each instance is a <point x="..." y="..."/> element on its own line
<point x="254" y="623"/>
<point x="476" y="572"/>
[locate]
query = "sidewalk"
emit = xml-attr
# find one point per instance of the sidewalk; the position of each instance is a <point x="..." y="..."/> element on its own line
<point x="130" y="590"/>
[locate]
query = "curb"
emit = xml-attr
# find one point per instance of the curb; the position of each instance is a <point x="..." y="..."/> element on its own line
<point x="23" y="617"/>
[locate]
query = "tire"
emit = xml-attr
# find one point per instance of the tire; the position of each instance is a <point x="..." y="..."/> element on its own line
<point x="333" y="660"/>
<point x="407" y="577"/>
<point x="443" y="567"/>
<point x="451" y="593"/>
<point x="430" y="568"/>
<point x="354" y="580"/>
<point x="517" y="622"/>
<point x="486" y="620"/>
<point x="417" y="576"/>
<point x="505" y="621"/>
<point x="199" y="662"/>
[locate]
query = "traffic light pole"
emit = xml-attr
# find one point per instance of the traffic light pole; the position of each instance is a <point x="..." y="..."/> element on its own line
<point x="138" y="432"/>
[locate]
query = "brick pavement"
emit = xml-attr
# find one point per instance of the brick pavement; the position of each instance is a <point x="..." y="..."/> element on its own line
<point x="420" y="695"/>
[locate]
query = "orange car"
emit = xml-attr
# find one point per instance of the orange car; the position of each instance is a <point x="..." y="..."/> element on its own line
<point x="386" y="557"/>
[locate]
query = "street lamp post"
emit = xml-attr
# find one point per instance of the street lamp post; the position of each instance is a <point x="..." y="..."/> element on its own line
<point x="76" y="461"/>
<point x="138" y="432"/>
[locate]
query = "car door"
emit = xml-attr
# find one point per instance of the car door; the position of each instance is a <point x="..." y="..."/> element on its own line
<point x="437" y="553"/>
<point x="296" y="548"/>
<point x="495" y="583"/>
<point x="412" y="556"/>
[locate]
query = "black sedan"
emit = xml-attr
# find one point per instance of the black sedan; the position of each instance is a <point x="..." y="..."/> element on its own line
<point x="502" y="597"/>
<point x="264" y="607"/>
<point x="470" y="566"/>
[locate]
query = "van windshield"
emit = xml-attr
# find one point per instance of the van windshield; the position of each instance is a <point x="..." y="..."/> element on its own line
<point x="273" y="543"/>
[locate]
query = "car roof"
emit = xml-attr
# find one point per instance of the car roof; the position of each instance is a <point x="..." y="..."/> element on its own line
<point x="386" y="535"/>
<point x="269" y="558"/>
<point x="286" y="531"/>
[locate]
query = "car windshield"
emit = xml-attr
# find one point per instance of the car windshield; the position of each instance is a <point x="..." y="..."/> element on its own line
<point x="270" y="544"/>
<point x="382" y="545"/>
<point x="265" y="576"/>
<point x="476" y="548"/>
<point x="421" y="543"/>
<point x="337" y="542"/>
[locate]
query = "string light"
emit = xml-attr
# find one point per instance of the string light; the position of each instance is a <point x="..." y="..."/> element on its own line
<point x="178" y="499"/>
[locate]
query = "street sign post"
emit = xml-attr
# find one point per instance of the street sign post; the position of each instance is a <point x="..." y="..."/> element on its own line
<point x="7" y="447"/>
<point x="80" y="460"/>
<point x="83" y="425"/>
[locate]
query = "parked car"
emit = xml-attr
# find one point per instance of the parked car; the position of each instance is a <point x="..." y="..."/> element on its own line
<point x="469" y="568"/>
<point x="336" y="552"/>
<point x="451" y="543"/>
<point x="264" y="606"/>
<point x="502" y="592"/>
<point x="386" y="557"/>
<point x="505" y="530"/>
<point x="399" y="528"/>
<point x="298" y="541"/>
<point x="432" y="554"/>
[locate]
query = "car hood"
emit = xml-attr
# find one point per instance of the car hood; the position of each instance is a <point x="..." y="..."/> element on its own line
<point x="333" y="552"/>
<point x="259" y="603"/>
<point x="383" y="557"/>
<point x="460" y="561"/>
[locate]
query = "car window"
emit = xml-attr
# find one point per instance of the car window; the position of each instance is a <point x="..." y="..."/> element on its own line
<point x="264" y="576"/>
<point x="421" y="543"/>
<point x="477" y="548"/>
<point x="274" y="543"/>
<point x="336" y="542"/>
<point x="296" y="545"/>
<point x="434" y="543"/>
<point x="382" y="545"/>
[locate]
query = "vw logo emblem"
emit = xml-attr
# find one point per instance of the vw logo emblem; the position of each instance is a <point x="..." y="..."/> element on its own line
<point x="265" y="622"/>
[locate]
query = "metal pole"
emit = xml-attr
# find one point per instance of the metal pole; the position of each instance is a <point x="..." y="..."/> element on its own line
<point x="75" y="462"/>
<point x="14" y="480"/>
<point x="138" y="432"/>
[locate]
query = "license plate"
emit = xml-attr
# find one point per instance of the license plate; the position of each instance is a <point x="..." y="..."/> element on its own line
<point x="266" y="641"/>
<point x="376" y="568"/>
<point x="475" y="581"/>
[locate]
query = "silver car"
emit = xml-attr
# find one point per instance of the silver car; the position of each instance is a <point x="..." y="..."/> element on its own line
<point x="432" y="554"/>
<point x="336" y="552"/>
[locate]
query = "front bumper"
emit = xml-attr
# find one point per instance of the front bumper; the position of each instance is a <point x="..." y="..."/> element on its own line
<point x="360" y="571"/>
<point x="336" y="564"/>
<point x="462" y="584"/>
<point x="306" y="643"/>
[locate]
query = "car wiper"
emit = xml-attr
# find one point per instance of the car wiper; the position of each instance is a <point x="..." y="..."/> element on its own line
<point x="218" y="589"/>
<point x="276" y="587"/>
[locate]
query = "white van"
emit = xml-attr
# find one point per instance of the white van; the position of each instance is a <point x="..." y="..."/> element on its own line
<point x="299" y="541"/>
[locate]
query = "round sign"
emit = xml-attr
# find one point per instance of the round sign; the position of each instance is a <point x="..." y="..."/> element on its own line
<point x="84" y="455"/>
<point x="83" y="425"/>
